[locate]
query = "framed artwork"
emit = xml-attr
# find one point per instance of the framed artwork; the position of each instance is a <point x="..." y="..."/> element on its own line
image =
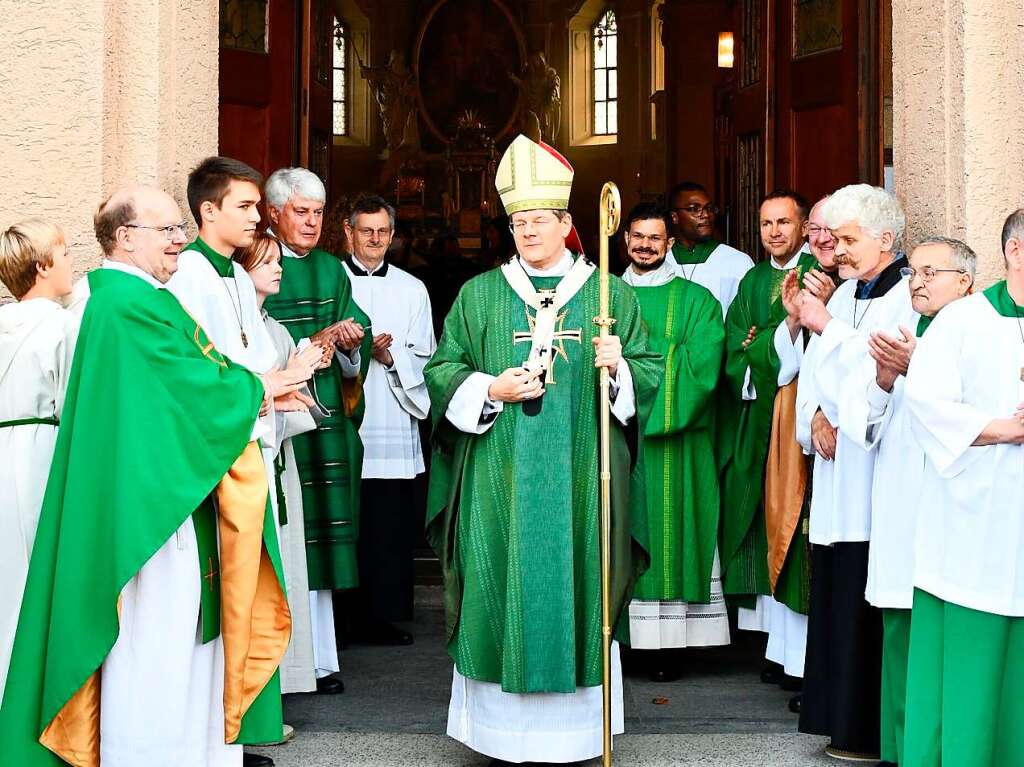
<point x="464" y="53"/>
<point x="817" y="27"/>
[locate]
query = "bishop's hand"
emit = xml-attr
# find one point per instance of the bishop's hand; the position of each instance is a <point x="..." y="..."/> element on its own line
<point x="607" y="353"/>
<point x="516" y="385"/>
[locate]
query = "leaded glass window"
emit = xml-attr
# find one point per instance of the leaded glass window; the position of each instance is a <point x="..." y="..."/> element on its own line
<point x="243" y="25"/>
<point x="605" y="40"/>
<point x="340" y="78"/>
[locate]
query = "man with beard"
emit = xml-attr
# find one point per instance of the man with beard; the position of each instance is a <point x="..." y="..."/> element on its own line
<point x="843" y="667"/>
<point x="701" y="258"/>
<point x="678" y="602"/>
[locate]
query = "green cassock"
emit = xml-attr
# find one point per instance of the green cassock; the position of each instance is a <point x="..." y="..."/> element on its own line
<point x="315" y="293"/>
<point x="684" y="323"/>
<point x="117" y="492"/>
<point x="513" y="513"/>
<point x="745" y="426"/>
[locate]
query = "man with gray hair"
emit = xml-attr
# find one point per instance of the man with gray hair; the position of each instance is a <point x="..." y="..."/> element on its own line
<point x="941" y="271"/>
<point x="397" y="399"/>
<point x="964" y="393"/>
<point x="843" y="666"/>
<point x="315" y="304"/>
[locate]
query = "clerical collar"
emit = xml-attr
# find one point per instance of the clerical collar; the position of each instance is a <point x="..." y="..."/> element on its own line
<point x="558" y="270"/>
<point x="121" y="266"/>
<point x="663" y="275"/>
<point x="793" y="263"/>
<point x="887" y="279"/>
<point x="359" y="270"/>
<point x="225" y="267"/>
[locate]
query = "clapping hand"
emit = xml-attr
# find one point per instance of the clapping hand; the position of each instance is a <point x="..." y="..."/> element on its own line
<point x="819" y="285"/>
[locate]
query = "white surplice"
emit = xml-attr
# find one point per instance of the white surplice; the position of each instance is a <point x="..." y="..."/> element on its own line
<point x="310" y="655"/>
<point x="966" y="372"/>
<point x="396" y="397"/>
<point x="721" y="273"/>
<point x="531" y="727"/>
<point x="662" y="624"/>
<point x="37" y="344"/>
<point x="162" y="689"/>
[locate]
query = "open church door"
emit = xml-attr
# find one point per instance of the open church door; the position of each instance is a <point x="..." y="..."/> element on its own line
<point x="258" y="82"/>
<point x="827" y="112"/>
<point x="316" y="124"/>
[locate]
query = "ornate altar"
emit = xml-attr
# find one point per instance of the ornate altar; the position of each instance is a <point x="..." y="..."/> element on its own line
<point x="470" y="163"/>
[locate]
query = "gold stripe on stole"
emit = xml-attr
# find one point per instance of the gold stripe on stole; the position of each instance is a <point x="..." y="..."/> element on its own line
<point x="255" y="619"/>
<point x="785" y="481"/>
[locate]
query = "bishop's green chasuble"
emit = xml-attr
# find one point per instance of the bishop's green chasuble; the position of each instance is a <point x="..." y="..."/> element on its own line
<point x="513" y="513"/>
<point x="745" y="425"/>
<point x="684" y="323"/>
<point x="154" y="418"/>
<point x="315" y="293"/>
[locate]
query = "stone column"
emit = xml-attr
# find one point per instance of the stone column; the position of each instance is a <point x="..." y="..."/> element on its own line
<point x="101" y="94"/>
<point x="958" y="137"/>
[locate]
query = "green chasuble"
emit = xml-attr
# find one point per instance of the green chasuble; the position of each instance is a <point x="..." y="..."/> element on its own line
<point x="513" y="513"/>
<point x="154" y="418"/>
<point x="315" y="293"/>
<point x="684" y="322"/>
<point x="698" y="254"/>
<point x="745" y="425"/>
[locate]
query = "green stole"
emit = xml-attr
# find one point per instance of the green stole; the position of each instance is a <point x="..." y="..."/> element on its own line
<point x="745" y="425"/>
<point x="685" y="324"/>
<point x="999" y="296"/>
<point x="101" y="520"/>
<point x="513" y="513"/>
<point x="698" y="254"/>
<point x="316" y="292"/>
<point x="923" y="324"/>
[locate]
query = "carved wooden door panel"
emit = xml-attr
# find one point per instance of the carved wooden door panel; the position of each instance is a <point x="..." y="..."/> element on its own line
<point x="258" y="82"/>
<point x="316" y="115"/>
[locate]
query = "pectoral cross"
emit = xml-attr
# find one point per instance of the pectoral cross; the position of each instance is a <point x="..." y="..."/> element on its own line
<point x="211" y="574"/>
<point x="558" y="339"/>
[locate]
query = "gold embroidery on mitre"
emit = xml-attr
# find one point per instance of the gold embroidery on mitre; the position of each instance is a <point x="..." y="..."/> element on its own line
<point x="529" y="177"/>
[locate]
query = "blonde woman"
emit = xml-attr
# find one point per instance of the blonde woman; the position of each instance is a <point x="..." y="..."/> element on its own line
<point x="37" y="342"/>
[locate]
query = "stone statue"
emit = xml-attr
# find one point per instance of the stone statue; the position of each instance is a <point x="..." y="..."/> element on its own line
<point x="542" y="92"/>
<point x="394" y="88"/>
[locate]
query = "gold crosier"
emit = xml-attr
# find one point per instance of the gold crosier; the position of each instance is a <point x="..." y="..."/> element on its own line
<point x="609" y="213"/>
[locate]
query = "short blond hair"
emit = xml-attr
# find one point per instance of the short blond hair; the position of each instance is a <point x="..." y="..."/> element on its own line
<point x="24" y="247"/>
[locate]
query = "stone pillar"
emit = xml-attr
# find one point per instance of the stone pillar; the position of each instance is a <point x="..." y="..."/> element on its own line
<point x="958" y="129"/>
<point x="101" y="94"/>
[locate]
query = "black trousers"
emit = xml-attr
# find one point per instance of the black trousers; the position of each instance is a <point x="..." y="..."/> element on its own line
<point x="389" y="523"/>
<point x="843" y="669"/>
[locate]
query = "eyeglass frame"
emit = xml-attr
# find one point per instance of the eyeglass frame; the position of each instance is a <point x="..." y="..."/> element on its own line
<point x="168" y="231"/>
<point x="710" y="209"/>
<point x="909" y="271"/>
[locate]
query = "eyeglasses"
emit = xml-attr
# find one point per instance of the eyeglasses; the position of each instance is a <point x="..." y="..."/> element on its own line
<point x="168" y="231"/>
<point x="696" y="210"/>
<point x="520" y="226"/>
<point x="813" y="230"/>
<point x="927" y="274"/>
<point x="368" y="232"/>
<point x="654" y="239"/>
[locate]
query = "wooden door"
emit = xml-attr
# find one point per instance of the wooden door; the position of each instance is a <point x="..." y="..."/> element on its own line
<point x="316" y="122"/>
<point x="259" y="82"/>
<point x="824" y="116"/>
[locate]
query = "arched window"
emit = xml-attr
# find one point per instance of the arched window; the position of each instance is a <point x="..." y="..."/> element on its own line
<point x="341" y="84"/>
<point x="606" y="87"/>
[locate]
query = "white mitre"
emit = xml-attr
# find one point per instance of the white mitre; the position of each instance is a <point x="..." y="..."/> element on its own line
<point x="533" y="176"/>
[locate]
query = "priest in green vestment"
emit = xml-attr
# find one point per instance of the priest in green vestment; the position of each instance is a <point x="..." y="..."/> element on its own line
<point x="154" y="614"/>
<point x="315" y="303"/>
<point x="678" y="602"/>
<point x="513" y="503"/>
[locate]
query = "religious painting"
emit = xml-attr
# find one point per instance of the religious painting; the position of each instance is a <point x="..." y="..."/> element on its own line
<point x="465" y="53"/>
<point x="817" y="27"/>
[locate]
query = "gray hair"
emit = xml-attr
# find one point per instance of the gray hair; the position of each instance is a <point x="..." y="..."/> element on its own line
<point x="1013" y="227"/>
<point x="964" y="257"/>
<point x="286" y="183"/>
<point x="873" y="208"/>
<point x="369" y="204"/>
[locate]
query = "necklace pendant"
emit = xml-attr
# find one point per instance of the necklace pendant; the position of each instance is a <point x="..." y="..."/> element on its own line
<point x="245" y="340"/>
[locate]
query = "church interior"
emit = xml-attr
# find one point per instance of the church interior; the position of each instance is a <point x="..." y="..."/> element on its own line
<point x="417" y="99"/>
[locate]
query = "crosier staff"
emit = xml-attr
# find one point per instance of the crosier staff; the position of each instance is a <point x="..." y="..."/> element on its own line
<point x="610" y="207"/>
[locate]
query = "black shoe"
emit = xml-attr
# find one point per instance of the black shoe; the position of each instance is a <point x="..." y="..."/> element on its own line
<point x="886" y="764"/>
<point x="382" y="634"/>
<point x="795" y="703"/>
<point x="256" y="760"/>
<point x="772" y="673"/>
<point x="330" y="685"/>
<point x="791" y="683"/>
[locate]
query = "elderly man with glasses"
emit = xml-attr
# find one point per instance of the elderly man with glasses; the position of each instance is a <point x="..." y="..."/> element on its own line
<point x="700" y="257"/>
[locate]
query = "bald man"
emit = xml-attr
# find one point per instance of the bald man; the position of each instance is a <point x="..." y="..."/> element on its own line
<point x="123" y="656"/>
